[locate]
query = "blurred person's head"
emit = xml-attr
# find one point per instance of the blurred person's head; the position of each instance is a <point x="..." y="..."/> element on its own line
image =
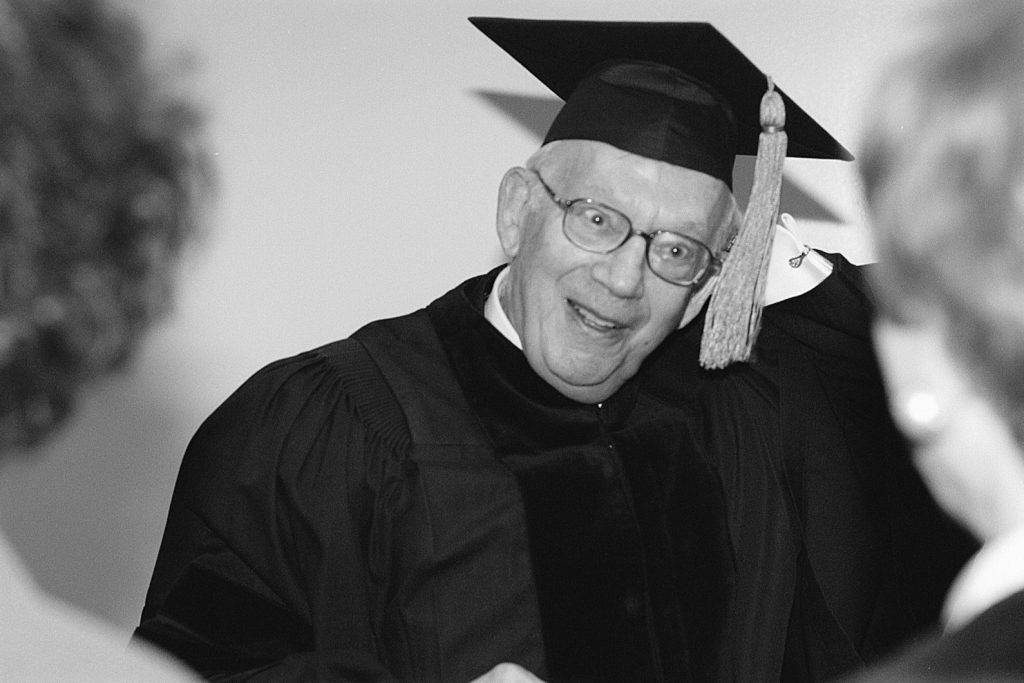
<point x="943" y="168"/>
<point x="100" y="173"/>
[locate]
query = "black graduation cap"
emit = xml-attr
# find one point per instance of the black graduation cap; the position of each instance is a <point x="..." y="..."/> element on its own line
<point x="699" y="113"/>
<point x="678" y="92"/>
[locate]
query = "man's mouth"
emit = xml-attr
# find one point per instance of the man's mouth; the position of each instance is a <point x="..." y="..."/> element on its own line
<point x="592" y="320"/>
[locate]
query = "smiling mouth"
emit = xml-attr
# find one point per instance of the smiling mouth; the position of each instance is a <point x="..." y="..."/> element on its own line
<point x="593" y="321"/>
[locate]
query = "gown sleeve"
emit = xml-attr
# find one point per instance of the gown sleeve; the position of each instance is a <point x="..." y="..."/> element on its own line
<point x="877" y="553"/>
<point x="265" y="568"/>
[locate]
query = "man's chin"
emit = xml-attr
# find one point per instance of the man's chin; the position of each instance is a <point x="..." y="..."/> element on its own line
<point x="590" y="382"/>
<point x="586" y="393"/>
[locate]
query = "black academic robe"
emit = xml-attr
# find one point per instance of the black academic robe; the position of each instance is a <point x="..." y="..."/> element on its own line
<point x="989" y="648"/>
<point x="841" y="552"/>
<point x="417" y="504"/>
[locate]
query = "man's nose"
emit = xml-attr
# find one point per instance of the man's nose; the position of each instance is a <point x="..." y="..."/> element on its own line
<point x="622" y="271"/>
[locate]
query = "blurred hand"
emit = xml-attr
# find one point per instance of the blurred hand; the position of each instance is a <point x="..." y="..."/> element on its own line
<point x="507" y="673"/>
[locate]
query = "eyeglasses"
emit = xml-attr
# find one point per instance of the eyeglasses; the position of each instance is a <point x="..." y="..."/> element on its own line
<point x="600" y="229"/>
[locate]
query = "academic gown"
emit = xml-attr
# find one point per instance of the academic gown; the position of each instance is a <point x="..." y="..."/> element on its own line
<point x="841" y="553"/>
<point x="416" y="504"/>
<point x="440" y="509"/>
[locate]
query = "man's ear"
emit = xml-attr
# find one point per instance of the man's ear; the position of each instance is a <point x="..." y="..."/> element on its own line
<point x="513" y="198"/>
<point x="697" y="301"/>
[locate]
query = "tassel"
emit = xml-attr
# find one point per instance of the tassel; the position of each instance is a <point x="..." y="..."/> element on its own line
<point x="734" y="313"/>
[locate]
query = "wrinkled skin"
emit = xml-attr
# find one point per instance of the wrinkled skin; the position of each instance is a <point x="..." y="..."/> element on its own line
<point x="587" y="321"/>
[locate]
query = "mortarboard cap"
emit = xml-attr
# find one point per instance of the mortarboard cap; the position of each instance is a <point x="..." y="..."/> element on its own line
<point x="678" y="92"/>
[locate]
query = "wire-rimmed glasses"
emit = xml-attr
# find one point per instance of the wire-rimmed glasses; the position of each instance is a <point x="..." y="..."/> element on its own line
<point x="601" y="229"/>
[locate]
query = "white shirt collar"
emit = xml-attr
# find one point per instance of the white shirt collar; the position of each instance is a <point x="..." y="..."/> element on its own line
<point x="495" y="314"/>
<point x="994" y="573"/>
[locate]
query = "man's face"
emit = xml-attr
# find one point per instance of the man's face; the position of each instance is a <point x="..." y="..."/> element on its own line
<point x="587" y="321"/>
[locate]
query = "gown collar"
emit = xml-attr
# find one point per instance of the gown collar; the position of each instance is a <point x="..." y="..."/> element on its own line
<point x="520" y="411"/>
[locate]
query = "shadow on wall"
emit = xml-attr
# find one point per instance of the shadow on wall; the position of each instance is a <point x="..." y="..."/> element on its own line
<point x="535" y="114"/>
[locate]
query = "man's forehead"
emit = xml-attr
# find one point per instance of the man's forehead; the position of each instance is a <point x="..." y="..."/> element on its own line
<point x="606" y="173"/>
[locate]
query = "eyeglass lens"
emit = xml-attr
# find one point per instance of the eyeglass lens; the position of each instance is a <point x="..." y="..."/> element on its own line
<point x="601" y="229"/>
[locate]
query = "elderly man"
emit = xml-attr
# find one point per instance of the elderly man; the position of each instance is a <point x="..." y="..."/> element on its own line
<point x="509" y="475"/>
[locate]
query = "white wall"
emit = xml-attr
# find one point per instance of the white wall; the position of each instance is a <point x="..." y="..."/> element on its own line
<point x="358" y="166"/>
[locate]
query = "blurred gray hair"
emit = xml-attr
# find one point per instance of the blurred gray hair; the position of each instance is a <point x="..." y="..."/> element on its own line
<point x="102" y="178"/>
<point x="943" y="170"/>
